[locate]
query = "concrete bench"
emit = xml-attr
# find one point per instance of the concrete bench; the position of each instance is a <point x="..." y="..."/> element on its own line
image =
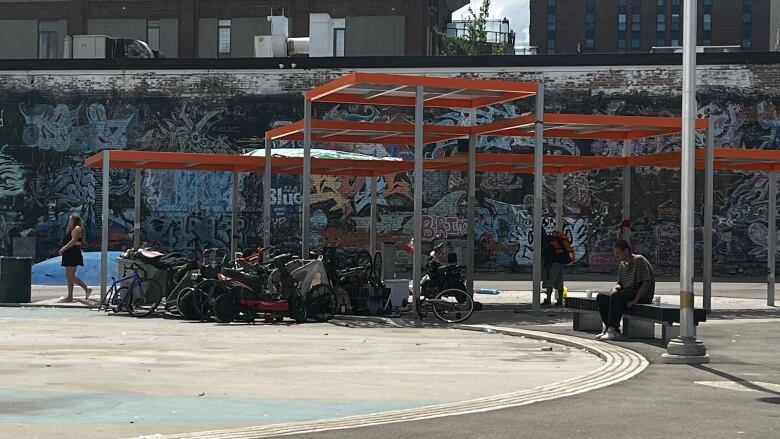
<point x="638" y="321"/>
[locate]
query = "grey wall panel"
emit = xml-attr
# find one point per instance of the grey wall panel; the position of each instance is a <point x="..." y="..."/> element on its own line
<point x="19" y="39"/>
<point x="207" y="38"/>
<point x="375" y="36"/>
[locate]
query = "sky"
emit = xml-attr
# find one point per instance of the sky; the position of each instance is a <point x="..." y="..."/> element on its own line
<point x="515" y="10"/>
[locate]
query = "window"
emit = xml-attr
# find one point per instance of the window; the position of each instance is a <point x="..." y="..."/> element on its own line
<point x="660" y="42"/>
<point x="550" y="2"/>
<point x="550" y="47"/>
<point x="621" y="44"/>
<point x="747" y="23"/>
<point x="707" y="2"/>
<point x="621" y="22"/>
<point x="48" y="40"/>
<point x="707" y="22"/>
<point x="153" y="34"/>
<point x="675" y="22"/>
<point x="589" y="44"/>
<point x="551" y="23"/>
<point x="635" y="22"/>
<point x="660" y="20"/>
<point x="223" y="43"/>
<point x="675" y="43"/>
<point x="339" y="37"/>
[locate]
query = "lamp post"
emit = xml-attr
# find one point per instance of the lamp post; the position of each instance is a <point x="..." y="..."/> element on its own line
<point x="686" y="349"/>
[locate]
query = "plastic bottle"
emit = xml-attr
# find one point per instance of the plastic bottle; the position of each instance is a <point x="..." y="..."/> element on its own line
<point x="565" y="292"/>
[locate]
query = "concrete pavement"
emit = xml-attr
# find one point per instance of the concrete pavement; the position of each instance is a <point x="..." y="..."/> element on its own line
<point x="78" y="373"/>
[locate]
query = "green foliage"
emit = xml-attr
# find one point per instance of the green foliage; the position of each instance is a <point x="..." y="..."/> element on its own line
<point x="474" y="42"/>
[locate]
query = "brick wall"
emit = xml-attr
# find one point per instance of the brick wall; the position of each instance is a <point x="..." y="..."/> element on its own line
<point x="50" y="121"/>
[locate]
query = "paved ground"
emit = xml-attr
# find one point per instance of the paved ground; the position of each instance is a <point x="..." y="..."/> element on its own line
<point x="737" y="395"/>
<point x="98" y="375"/>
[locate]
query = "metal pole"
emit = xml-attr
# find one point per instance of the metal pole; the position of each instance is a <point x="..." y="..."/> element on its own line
<point x="772" y="237"/>
<point x="471" y="201"/>
<point x="709" y="187"/>
<point x="372" y="226"/>
<point x="685" y="348"/>
<point x="267" y="195"/>
<point x="538" y="193"/>
<point x="233" y="215"/>
<point x="306" y="185"/>
<point x="559" y="202"/>
<point x="626" y="235"/>
<point x="418" y="190"/>
<point x="104" y="225"/>
<point x="137" y="210"/>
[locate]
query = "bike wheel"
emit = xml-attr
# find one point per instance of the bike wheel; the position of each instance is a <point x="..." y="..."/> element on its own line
<point x="203" y="295"/>
<point x="376" y="267"/>
<point x="321" y="301"/>
<point x="144" y="298"/>
<point x="363" y="259"/>
<point x="227" y="307"/>
<point x="298" y="308"/>
<point x="452" y="306"/>
<point x="186" y="304"/>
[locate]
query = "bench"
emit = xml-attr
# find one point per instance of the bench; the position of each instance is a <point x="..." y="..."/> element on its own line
<point x="638" y="321"/>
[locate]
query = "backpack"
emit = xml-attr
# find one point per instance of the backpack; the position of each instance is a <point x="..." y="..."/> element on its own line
<point x="558" y="249"/>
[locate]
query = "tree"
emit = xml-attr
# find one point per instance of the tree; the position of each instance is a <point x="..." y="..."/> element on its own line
<point x="474" y="41"/>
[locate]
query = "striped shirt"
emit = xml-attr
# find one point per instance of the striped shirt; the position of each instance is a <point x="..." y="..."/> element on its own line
<point x="631" y="274"/>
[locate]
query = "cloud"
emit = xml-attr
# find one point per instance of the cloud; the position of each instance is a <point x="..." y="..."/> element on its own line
<point x="515" y="10"/>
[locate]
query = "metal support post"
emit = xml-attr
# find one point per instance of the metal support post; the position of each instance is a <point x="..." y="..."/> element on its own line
<point x="471" y="184"/>
<point x="772" y="238"/>
<point x="372" y="225"/>
<point x="267" y="195"/>
<point x="137" y="210"/>
<point x="233" y="215"/>
<point x="686" y="349"/>
<point x="559" y="202"/>
<point x="626" y="235"/>
<point x="418" y="191"/>
<point x="306" y="185"/>
<point x="104" y="225"/>
<point x="538" y="193"/>
<point x="709" y="185"/>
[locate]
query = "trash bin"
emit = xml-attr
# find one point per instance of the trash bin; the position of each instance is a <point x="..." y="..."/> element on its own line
<point x="15" y="279"/>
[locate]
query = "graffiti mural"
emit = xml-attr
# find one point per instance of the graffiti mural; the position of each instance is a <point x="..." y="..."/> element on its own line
<point x="46" y="134"/>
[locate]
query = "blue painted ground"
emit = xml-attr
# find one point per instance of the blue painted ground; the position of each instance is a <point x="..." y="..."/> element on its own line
<point x="50" y="272"/>
<point x="44" y="407"/>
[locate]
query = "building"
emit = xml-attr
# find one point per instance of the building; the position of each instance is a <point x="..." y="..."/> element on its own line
<point x="619" y="26"/>
<point x="221" y="28"/>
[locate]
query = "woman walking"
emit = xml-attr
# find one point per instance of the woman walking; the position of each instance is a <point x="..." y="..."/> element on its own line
<point x="71" y="256"/>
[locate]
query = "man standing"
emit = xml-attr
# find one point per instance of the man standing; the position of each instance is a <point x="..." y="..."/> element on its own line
<point x="636" y="284"/>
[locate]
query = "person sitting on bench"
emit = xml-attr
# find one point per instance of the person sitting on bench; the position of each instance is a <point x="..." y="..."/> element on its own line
<point x="636" y="284"/>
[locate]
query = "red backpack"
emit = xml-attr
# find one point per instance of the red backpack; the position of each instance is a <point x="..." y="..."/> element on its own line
<point x="559" y="249"/>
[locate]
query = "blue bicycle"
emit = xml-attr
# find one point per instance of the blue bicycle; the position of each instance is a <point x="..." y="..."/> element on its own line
<point x="135" y="294"/>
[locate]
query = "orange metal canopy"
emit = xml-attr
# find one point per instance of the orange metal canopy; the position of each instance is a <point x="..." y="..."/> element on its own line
<point x="579" y="126"/>
<point x="390" y="89"/>
<point x="731" y="159"/>
<point x="568" y="126"/>
<point x="119" y="159"/>
<point x="339" y="131"/>
<point x="725" y="158"/>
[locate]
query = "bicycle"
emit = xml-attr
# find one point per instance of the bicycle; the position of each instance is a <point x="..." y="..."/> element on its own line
<point x="449" y="306"/>
<point x="140" y="299"/>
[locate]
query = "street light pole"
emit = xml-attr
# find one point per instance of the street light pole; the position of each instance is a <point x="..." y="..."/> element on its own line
<point x="686" y="349"/>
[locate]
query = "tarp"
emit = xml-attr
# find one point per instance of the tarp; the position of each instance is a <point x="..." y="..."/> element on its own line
<point x="318" y="154"/>
<point x="50" y="272"/>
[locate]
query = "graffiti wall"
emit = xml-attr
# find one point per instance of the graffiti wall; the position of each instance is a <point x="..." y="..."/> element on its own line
<point x="49" y="128"/>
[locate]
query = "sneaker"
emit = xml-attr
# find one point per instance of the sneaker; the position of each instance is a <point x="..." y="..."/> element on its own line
<point x="600" y="336"/>
<point x="547" y="302"/>
<point x="612" y="335"/>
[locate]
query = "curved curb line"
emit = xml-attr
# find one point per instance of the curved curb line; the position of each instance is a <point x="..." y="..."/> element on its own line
<point x="620" y="364"/>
